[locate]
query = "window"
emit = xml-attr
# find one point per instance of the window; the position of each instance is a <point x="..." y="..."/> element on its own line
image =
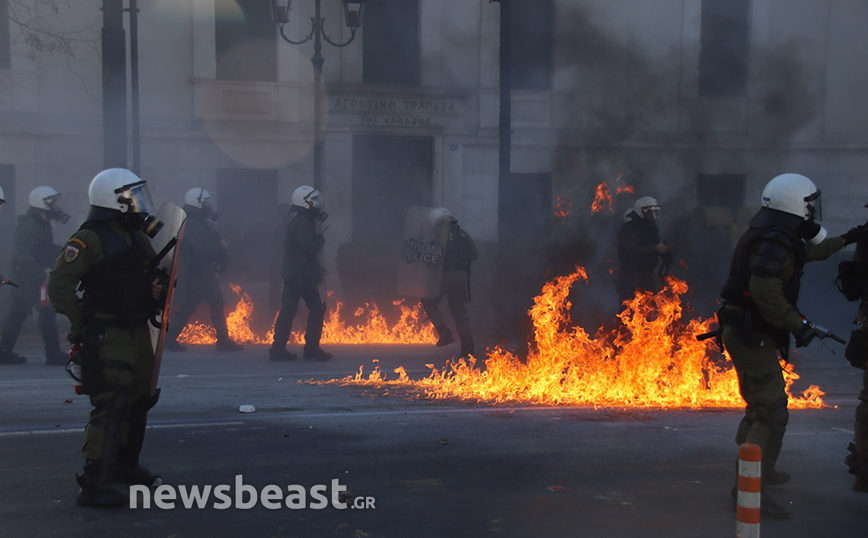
<point x="530" y="34"/>
<point x="390" y="52"/>
<point x="246" y="42"/>
<point x="723" y="48"/>
<point x="5" y="59"/>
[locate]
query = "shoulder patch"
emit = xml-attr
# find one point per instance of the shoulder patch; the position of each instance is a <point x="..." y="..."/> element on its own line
<point x="77" y="241"/>
<point x="70" y="253"/>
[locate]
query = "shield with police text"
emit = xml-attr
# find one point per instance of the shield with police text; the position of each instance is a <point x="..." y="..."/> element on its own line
<point x="167" y="244"/>
<point x="421" y="266"/>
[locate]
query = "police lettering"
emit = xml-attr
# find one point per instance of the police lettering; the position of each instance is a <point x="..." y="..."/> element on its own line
<point x="416" y="251"/>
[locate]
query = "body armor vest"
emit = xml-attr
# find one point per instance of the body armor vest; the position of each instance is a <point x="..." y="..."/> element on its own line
<point x="118" y="288"/>
<point x="735" y="290"/>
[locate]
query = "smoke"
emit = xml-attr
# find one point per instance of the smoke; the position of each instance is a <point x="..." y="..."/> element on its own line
<point x="623" y="117"/>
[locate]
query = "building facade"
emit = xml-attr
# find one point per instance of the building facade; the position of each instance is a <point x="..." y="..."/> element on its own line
<point x="695" y="102"/>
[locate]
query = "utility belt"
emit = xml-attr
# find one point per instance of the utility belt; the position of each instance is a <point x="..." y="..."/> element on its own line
<point x="751" y="328"/>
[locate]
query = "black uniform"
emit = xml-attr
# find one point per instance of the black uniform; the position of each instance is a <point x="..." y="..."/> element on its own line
<point x="637" y="253"/>
<point x="203" y="259"/>
<point x="34" y="252"/>
<point x="302" y="273"/>
<point x="454" y="284"/>
<point x="858" y="352"/>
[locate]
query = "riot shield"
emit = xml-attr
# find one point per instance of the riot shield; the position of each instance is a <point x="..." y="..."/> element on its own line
<point x="168" y="244"/>
<point x="421" y="267"/>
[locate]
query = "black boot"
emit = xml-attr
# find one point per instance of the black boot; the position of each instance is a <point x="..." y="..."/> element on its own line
<point x="467" y="345"/>
<point x="10" y="357"/>
<point x="56" y="358"/>
<point x="445" y="336"/>
<point x="227" y="344"/>
<point x="281" y="354"/>
<point x="96" y="492"/>
<point x="316" y="353"/>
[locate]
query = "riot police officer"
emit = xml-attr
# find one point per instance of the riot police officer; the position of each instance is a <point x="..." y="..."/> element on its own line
<point x="760" y="311"/>
<point x="204" y="258"/>
<point x="111" y="258"/>
<point x="857" y="354"/>
<point x="454" y="285"/>
<point x="302" y="273"/>
<point x="34" y="252"/>
<point x="639" y="248"/>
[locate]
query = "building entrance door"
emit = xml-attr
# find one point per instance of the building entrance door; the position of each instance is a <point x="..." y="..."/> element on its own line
<point x="390" y="174"/>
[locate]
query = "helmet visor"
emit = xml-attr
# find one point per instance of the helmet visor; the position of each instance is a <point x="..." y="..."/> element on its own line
<point x="814" y="206"/>
<point x="317" y="200"/>
<point x="137" y="197"/>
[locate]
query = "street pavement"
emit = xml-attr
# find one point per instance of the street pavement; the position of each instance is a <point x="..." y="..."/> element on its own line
<point x="429" y="468"/>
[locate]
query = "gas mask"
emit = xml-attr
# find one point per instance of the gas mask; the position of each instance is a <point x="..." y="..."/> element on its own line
<point x="811" y="232"/>
<point x="316" y="203"/>
<point x="140" y="208"/>
<point x="55" y="210"/>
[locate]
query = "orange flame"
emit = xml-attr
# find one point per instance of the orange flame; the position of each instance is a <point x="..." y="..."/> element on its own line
<point x="654" y="360"/>
<point x="602" y="199"/>
<point x="629" y="189"/>
<point x="563" y="207"/>
<point x="412" y="326"/>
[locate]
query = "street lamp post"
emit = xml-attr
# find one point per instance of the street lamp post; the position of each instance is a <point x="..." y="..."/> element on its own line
<point x="353" y="13"/>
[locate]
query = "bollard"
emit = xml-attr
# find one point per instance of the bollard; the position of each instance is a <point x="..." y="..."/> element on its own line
<point x="747" y="511"/>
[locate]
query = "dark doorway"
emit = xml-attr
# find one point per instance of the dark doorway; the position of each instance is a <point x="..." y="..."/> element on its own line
<point x="390" y="174"/>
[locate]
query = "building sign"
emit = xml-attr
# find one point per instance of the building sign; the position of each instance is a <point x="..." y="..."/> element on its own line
<point x="396" y="111"/>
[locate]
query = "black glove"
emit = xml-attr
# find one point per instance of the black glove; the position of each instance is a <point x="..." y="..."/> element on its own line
<point x="855" y="234"/>
<point x="804" y="337"/>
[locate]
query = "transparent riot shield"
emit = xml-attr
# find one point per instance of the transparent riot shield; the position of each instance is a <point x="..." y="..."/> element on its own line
<point x="167" y="244"/>
<point x="421" y="265"/>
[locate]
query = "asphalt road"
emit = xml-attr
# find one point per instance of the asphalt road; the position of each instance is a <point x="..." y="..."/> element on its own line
<point x="428" y="468"/>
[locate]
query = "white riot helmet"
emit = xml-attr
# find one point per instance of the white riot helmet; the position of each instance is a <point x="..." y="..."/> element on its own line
<point x="306" y="197"/>
<point x="627" y="216"/>
<point x="48" y="199"/>
<point x="796" y="195"/>
<point x="2" y="198"/>
<point x="440" y="214"/>
<point x="197" y="197"/>
<point x="120" y="190"/>
<point x="645" y="206"/>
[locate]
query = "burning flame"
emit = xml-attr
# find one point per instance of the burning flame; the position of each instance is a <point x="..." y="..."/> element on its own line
<point x="412" y="326"/>
<point x="602" y="199"/>
<point x="563" y="207"/>
<point x="653" y="360"/>
<point x="628" y="189"/>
